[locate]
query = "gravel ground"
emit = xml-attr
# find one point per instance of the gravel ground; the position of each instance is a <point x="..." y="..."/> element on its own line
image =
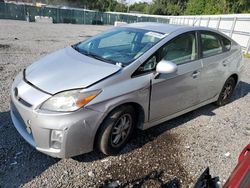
<point x="173" y="153"/>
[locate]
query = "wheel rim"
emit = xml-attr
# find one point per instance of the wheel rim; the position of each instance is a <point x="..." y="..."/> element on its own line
<point x="227" y="91"/>
<point x="121" y="130"/>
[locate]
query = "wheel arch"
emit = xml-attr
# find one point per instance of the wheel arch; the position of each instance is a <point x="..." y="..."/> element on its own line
<point x="140" y="114"/>
<point x="235" y="76"/>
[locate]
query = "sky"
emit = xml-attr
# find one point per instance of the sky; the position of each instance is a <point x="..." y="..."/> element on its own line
<point x="136" y="1"/>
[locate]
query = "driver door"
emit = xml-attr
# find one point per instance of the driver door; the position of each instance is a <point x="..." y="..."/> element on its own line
<point x="172" y="93"/>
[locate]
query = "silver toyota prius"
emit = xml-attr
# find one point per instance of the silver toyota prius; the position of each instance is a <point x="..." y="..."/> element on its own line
<point x="94" y="94"/>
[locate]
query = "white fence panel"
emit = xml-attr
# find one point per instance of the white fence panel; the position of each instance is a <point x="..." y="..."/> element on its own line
<point x="236" y="26"/>
<point x="226" y="24"/>
<point x="203" y="22"/>
<point x="240" y="39"/>
<point x="213" y="23"/>
<point x="241" y="25"/>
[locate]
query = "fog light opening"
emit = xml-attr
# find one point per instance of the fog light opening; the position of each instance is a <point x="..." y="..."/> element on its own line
<point x="56" y="145"/>
<point x="56" y="139"/>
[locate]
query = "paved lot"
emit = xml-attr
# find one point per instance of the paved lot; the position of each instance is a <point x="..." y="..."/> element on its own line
<point x="176" y="151"/>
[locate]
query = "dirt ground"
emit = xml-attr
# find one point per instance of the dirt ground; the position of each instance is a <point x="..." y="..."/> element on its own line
<point x="171" y="154"/>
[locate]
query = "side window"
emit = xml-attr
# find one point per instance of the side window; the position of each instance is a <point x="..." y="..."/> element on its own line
<point x="226" y="43"/>
<point x="181" y="49"/>
<point x="210" y="44"/>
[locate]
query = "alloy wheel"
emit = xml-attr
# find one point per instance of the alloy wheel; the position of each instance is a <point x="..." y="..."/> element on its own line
<point x="121" y="130"/>
<point x="227" y="91"/>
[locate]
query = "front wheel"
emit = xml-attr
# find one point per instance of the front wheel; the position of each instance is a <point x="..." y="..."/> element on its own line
<point x="116" y="130"/>
<point x="226" y="92"/>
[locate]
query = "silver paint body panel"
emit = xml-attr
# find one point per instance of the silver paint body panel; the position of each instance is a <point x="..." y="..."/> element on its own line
<point x="160" y="97"/>
<point x="82" y="71"/>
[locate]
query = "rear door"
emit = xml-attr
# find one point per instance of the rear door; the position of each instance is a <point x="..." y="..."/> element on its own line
<point x="214" y="62"/>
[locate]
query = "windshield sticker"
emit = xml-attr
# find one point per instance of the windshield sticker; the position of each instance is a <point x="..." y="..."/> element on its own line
<point x="156" y="35"/>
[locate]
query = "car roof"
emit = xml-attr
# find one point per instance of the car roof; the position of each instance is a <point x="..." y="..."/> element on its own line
<point x="170" y="28"/>
<point x="162" y="28"/>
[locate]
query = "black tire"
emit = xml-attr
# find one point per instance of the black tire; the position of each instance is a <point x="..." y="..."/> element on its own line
<point x="106" y="140"/>
<point x="226" y="92"/>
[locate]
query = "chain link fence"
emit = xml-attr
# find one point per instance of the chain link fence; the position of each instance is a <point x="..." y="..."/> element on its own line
<point x="70" y="15"/>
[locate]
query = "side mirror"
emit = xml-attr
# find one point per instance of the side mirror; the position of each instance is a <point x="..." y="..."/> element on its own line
<point x="166" y="67"/>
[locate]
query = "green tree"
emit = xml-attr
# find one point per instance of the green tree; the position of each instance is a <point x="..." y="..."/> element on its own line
<point x="195" y="7"/>
<point x="160" y="7"/>
<point x="198" y="7"/>
<point x="139" y="7"/>
<point x="238" y="6"/>
<point x="168" y="7"/>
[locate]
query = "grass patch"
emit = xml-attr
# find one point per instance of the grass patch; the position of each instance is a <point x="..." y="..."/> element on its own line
<point x="247" y="55"/>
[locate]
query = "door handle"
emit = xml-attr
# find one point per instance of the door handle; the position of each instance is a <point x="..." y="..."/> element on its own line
<point x="195" y="74"/>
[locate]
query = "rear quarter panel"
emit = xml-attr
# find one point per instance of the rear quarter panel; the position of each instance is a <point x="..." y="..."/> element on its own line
<point x="235" y="61"/>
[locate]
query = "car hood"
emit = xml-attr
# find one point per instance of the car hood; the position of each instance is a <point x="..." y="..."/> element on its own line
<point x="67" y="69"/>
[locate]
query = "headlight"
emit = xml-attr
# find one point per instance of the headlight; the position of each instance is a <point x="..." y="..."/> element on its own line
<point x="69" y="100"/>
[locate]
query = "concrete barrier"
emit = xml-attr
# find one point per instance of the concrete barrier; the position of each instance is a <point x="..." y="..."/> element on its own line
<point x="43" y="19"/>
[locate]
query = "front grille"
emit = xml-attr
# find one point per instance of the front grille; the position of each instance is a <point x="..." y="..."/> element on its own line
<point x="25" y="103"/>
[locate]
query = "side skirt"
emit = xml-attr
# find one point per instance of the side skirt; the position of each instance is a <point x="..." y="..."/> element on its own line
<point x="148" y="125"/>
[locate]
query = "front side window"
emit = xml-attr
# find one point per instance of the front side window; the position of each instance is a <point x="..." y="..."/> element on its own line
<point x="210" y="44"/>
<point x="181" y="50"/>
<point x="120" y="45"/>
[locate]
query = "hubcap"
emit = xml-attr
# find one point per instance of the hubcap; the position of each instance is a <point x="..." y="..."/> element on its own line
<point x="227" y="91"/>
<point x="121" y="130"/>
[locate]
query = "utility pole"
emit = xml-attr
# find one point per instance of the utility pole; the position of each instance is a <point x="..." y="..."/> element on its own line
<point x="128" y="4"/>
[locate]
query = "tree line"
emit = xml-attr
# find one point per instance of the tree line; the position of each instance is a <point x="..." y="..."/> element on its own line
<point x="193" y="7"/>
<point x="162" y="7"/>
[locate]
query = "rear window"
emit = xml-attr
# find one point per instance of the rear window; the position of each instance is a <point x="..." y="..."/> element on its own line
<point x="226" y="43"/>
<point x="210" y="44"/>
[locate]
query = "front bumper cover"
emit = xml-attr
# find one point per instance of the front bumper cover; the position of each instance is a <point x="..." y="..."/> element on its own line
<point x="35" y="126"/>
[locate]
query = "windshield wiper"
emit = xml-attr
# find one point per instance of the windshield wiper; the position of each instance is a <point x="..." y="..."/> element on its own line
<point x="95" y="56"/>
<point x="104" y="59"/>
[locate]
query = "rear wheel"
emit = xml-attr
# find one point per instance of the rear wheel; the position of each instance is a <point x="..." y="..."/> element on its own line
<point x="226" y="92"/>
<point x="116" y="130"/>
